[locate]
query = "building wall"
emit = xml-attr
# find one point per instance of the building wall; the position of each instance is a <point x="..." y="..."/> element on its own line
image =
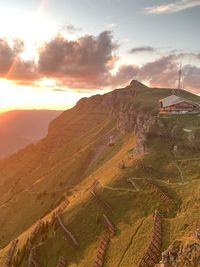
<point x="180" y="107"/>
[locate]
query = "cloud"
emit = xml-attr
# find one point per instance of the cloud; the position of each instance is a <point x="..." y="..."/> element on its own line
<point x="142" y="49"/>
<point x="191" y="78"/>
<point x="190" y="55"/>
<point x="88" y="62"/>
<point x="7" y="56"/>
<point x="82" y="63"/>
<point x="70" y="28"/>
<point x="12" y="66"/>
<point x="58" y="90"/>
<point x="124" y="75"/>
<point x="173" y="7"/>
<point x="162" y="72"/>
<point x="111" y="25"/>
<point x="23" y="72"/>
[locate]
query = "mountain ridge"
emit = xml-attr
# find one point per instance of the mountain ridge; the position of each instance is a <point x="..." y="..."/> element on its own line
<point x="76" y="153"/>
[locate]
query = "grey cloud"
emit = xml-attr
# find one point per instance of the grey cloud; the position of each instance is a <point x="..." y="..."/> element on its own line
<point x="12" y="66"/>
<point x="172" y="7"/>
<point x="80" y="63"/>
<point x="191" y="78"/>
<point x="125" y="74"/>
<point x="162" y="72"/>
<point x="70" y="28"/>
<point x="142" y="49"/>
<point x="7" y="56"/>
<point x="86" y="64"/>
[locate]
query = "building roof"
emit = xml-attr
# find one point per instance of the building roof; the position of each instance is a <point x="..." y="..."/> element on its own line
<point x="174" y="99"/>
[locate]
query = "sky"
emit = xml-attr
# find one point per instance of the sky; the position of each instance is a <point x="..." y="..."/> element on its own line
<point x="54" y="52"/>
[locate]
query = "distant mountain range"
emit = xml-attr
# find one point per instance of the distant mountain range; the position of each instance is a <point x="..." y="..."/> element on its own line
<point x="19" y="128"/>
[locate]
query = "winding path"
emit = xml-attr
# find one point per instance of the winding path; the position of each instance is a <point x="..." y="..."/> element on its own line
<point x="67" y="231"/>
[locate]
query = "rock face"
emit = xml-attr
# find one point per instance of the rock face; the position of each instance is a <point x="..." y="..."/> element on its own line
<point x="121" y="105"/>
<point x="179" y="255"/>
<point x="138" y="122"/>
<point x="133" y="108"/>
<point x="128" y="117"/>
<point x="132" y="121"/>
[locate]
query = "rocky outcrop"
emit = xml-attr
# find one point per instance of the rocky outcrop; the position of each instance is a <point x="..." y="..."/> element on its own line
<point x="131" y="120"/>
<point x="62" y="262"/>
<point x="122" y="105"/>
<point x="179" y="255"/>
<point x="138" y="122"/>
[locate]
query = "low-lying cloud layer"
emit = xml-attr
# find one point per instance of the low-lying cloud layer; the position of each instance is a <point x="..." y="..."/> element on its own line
<point x="87" y="63"/>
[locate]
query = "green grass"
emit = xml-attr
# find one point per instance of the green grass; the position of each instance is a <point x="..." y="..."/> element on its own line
<point x="66" y="157"/>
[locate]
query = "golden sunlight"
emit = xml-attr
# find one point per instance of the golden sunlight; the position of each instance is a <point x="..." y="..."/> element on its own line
<point x="16" y="97"/>
<point x="45" y="82"/>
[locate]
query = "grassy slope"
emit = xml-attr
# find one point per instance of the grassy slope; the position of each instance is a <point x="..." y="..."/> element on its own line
<point x="132" y="216"/>
<point x="129" y="214"/>
<point x="68" y="170"/>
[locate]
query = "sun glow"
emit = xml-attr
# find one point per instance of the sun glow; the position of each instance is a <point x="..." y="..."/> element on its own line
<point x="44" y="82"/>
<point x="33" y="28"/>
<point x="5" y="83"/>
<point x="22" y="97"/>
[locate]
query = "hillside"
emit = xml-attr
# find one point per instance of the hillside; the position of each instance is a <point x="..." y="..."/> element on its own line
<point x="19" y="128"/>
<point x="72" y="193"/>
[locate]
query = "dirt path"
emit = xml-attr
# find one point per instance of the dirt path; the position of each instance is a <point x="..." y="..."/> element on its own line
<point x="116" y="188"/>
<point x="131" y="180"/>
<point x="180" y="171"/>
<point x="190" y="159"/>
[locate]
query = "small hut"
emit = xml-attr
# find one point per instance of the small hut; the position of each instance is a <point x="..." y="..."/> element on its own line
<point x="177" y="104"/>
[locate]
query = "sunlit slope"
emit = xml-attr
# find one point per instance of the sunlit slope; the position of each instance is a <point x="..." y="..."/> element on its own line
<point x="74" y="155"/>
<point x="10" y="143"/>
<point x="132" y="210"/>
<point x="42" y="187"/>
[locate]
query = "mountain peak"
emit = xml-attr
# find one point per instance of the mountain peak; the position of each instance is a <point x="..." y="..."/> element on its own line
<point x="136" y="83"/>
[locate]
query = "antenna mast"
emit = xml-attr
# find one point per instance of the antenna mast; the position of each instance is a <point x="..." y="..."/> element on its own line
<point x="179" y="80"/>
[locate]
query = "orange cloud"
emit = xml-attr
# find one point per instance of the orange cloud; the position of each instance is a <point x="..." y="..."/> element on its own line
<point x="87" y="63"/>
<point x="12" y="67"/>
